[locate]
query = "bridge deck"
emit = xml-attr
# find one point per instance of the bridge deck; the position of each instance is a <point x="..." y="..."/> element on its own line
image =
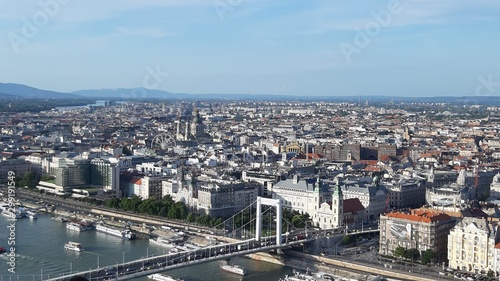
<point x="157" y="264"/>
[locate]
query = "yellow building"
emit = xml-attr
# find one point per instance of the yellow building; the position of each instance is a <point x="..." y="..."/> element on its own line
<point x="471" y="246"/>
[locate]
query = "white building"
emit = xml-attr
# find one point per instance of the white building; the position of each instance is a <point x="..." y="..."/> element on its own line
<point x="372" y="196"/>
<point x="495" y="188"/>
<point x="313" y="197"/>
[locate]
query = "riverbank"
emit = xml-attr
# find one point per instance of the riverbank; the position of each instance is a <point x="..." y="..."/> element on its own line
<point x="318" y="263"/>
<point x="152" y="226"/>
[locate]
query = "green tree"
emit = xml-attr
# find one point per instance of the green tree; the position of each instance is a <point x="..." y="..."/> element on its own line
<point x="411" y="254"/>
<point x="29" y="179"/>
<point x="399" y="252"/>
<point x="347" y="240"/>
<point x="428" y="256"/>
<point x="191" y="217"/>
<point x="298" y="221"/>
<point x="112" y="203"/>
<point x="47" y="178"/>
<point x="218" y="221"/>
<point x="203" y="220"/>
<point x="491" y="273"/>
<point x="163" y="211"/>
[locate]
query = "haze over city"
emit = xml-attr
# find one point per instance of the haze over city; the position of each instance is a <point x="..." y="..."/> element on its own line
<point x="334" y="48"/>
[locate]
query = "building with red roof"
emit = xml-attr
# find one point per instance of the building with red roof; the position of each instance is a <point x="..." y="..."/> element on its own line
<point x="420" y="229"/>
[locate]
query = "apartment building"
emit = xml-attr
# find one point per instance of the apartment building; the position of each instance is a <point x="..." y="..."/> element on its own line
<point x="405" y="192"/>
<point x="471" y="245"/>
<point x="226" y="199"/>
<point x="417" y="229"/>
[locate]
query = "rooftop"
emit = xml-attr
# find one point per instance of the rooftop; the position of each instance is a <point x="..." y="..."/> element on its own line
<point x="419" y="215"/>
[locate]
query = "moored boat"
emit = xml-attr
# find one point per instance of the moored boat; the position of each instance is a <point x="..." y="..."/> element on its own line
<point x="161" y="241"/>
<point x="234" y="269"/>
<point x="122" y="233"/>
<point x="76" y="226"/>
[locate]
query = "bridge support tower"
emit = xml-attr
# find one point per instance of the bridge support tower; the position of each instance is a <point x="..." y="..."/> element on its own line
<point x="269" y="202"/>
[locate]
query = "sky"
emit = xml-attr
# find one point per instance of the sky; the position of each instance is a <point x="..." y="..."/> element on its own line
<point x="292" y="47"/>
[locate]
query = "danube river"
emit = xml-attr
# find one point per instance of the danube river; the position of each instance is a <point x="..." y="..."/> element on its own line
<point x="40" y="252"/>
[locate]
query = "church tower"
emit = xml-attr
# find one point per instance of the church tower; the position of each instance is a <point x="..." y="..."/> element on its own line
<point x="178" y="134"/>
<point x="197" y="127"/>
<point x="337" y="205"/>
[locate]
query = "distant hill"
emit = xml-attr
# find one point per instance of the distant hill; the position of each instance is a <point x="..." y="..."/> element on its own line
<point x="19" y="91"/>
<point x="133" y="93"/>
<point x="23" y="91"/>
<point x="8" y="97"/>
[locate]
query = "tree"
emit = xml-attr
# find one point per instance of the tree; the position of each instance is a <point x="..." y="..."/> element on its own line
<point x="399" y="252"/>
<point x="491" y="273"/>
<point x="112" y="203"/>
<point x="412" y="254"/>
<point x="428" y="256"/>
<point x="191" y="217"/>
<point x="29" y="179"/>
<point x="347" y="240"/>
<point x="298" y="221"/>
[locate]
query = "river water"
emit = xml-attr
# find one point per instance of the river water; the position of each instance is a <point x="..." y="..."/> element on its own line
<point x="40" y="252"/>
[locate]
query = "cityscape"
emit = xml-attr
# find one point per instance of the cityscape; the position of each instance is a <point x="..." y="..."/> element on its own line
<point x="427" y="185"/>
<point x="249" y="140"/>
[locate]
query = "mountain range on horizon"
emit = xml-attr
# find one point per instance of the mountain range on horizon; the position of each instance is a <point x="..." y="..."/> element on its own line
<point x="10" y="91"/>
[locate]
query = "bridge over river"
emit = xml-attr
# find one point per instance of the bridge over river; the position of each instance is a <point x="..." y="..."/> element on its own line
<point x="157" y="264"/>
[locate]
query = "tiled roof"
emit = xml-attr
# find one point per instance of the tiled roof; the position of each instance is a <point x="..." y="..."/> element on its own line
<point x="352" y="205"/>
<point x="136" y="181"/>
<point x="421" y="216"/>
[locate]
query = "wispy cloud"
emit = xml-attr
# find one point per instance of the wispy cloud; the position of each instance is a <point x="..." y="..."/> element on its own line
<point x="144" y="32"/>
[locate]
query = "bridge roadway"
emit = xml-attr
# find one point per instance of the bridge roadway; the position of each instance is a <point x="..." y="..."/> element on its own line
<point x="157" y="264"/>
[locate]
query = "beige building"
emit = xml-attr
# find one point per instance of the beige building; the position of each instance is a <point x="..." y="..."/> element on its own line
<point x="417" y="229"/>
<point x="314" y="197"/>
<point x="226" y="200"/>
<point x="471" y="246"/>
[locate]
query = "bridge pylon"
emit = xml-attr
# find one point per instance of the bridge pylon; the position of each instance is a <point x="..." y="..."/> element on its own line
<point x="269" y="202"/>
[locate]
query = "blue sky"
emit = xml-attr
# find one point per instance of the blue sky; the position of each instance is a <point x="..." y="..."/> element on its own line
<point x="296" y="47"/>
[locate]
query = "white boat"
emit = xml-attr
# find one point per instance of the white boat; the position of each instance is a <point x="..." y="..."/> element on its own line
<point x="122" y="233"/>
<point x="161" y="241"/>
<point x="32" y="214"/>
<point x="76" y="226"/>
<point x="74" y="246"/>
<point x="319" y="276"/>
<point x="12" y="215"/>
<point x="234" y="269"/>
<point x="161" y="277"/>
